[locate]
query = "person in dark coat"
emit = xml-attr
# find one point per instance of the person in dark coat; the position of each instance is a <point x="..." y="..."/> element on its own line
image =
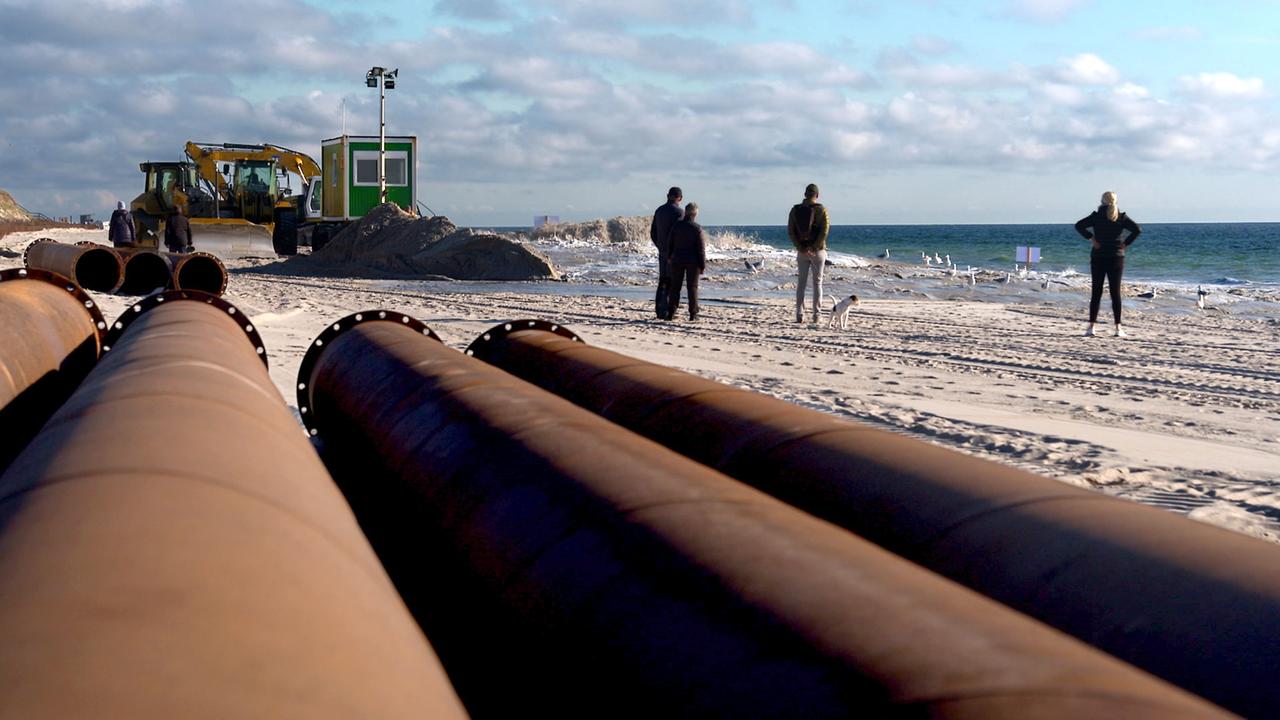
<point x="688" y="252"/>
<point x="664" y="219"/>
<point x="177" y="232"/>
<point x="120" y="230"/>
<point x="1107" y="258"/>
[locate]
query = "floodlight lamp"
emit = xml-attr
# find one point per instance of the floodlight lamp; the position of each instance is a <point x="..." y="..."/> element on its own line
<point x="389" y="83"/>
<point x="371" y="81"/>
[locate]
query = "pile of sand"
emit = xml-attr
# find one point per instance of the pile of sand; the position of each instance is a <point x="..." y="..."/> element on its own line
<point x="10" y="210"/>
<point x="388" y="240"/>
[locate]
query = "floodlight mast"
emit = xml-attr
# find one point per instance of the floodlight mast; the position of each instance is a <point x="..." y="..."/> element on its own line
<point x="384" y="80"/>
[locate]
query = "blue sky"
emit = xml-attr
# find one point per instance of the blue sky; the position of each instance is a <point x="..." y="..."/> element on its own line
<point x="915" y="111"/>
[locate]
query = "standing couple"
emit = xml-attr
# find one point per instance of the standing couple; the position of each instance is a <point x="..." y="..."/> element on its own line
<point x="682" y="254"/>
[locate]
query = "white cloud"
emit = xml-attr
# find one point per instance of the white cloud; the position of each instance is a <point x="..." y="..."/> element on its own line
<point x="1045" y="11"/>
<point x="1087" y="69"/>
<point x="1221" y="85"/>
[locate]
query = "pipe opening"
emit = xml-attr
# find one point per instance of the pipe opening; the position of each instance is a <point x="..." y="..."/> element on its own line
<point x="98" y="269"/>
<point x="200" y="272"/>
<point x="143" y="273"/>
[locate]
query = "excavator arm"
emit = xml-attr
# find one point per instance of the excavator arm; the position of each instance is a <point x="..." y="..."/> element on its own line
<point x="206" y="157"/>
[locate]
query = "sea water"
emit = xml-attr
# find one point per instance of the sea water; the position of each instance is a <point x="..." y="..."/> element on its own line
<point x="1174" y="253"/>
<point x="1237" y="265"/>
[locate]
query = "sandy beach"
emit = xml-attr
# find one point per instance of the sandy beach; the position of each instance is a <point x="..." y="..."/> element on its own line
<point x="1183" y="414"/>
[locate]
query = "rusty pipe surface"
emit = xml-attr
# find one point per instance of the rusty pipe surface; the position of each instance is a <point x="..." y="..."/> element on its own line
<point x="53" y="333"/>
<point x="171" y="546"/>
<point x="1191" y="603"/>
<point x="198" y="271"/>
<point x="92" y="266"/>
<point x="145" y="271"/>
<point x="587" y="571"/>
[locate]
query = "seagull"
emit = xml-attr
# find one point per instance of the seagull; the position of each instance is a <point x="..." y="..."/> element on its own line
<point x="951" y="270"/>
<point x="948" y="260"/>
<point x="885" y="255"/>
<point x="754" y="266"/>
<point x="1200" y="293"/>
<point x="973" y="278"/>
<point x="937" y="258"/>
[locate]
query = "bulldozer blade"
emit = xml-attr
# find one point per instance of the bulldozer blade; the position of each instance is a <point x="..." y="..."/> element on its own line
<point x="231" y="239"/>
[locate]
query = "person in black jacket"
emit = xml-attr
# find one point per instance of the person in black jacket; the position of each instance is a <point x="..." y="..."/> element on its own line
<point x="664" y="218"/>
<point x="177" y="232"/>
<point x="120" y="231"/>
<point x="1107" y="259"/>
<point x="688" y="251"/>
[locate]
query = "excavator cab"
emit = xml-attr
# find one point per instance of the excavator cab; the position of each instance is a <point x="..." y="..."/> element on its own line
<point x="169" y="185"/>
<point x="255" y="190"/>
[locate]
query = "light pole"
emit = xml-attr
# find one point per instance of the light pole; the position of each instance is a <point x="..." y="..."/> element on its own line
<point x="384" y="80"/>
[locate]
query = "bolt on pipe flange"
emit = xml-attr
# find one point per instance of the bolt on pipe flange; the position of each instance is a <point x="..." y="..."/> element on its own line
<point x="326" y="337"/>
<point x="70" y="286"/>
<point x="478" y="346"/>
<point x="126" y="318"/>
<point x="26" y="253"/>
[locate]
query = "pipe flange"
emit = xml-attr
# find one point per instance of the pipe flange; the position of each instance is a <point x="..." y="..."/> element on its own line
<point x="53" y="278"/>
<point x="334" y="330"/>
<point x="479" y="345"/>
<point x="185" y="258"/>
<point x="90" y="243"/>
<point x="135" y="311"/>
<point x="37" y="241"/>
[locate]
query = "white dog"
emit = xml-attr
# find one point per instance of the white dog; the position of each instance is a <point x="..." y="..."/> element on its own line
<point x="841" y="311"/>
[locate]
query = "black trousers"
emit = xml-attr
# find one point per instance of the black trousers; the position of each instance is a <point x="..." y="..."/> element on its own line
<point x="660" y="299"/>
<point x="1110" y="268"/>
<point x="684" y="274"/>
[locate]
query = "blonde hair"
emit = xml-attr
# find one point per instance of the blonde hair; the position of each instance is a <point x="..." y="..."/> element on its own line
<point x="1109" y="202"/>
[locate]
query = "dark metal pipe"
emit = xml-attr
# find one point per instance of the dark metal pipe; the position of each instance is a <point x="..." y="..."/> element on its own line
<point x="1191" y="603"/>
<point x="144" y="272"/>
<point x="198" y="271"/>
<point x="171" y="546"/>
<point x="52" y="335"/>
<point x="92" y="266"/>
<point x="587" y="571"/>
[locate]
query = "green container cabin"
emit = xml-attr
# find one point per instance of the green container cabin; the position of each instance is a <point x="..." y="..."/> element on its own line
<point x="350" y="175"/>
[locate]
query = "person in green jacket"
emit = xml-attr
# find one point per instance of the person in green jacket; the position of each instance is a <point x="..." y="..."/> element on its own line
<point x="807" y="226"/>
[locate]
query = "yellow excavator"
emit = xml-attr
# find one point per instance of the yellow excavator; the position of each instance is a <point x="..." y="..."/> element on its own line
<point x="239" y="198"/>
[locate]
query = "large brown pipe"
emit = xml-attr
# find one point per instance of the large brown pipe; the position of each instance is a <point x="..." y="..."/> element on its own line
<point x="198" y="271"/>
<point x="144" y="271"/>
<point x="172" y="547"/>
<point x="52" y="335"/>
<point x="92" y="266"/>
<point x="1194" y="604"/>
<point x="585" y="571"/>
